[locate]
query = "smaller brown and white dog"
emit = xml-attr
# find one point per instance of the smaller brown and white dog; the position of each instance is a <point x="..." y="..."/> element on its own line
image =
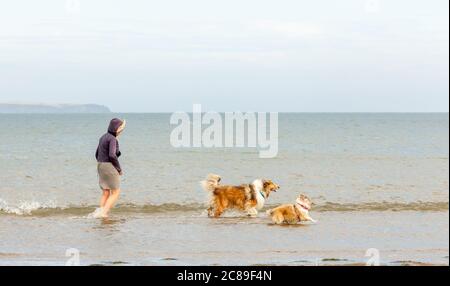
<point x="248" y="197"/>
<point x="292" y="213"/>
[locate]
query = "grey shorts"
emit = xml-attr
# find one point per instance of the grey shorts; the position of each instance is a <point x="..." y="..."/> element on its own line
<point x="108" y="176"/>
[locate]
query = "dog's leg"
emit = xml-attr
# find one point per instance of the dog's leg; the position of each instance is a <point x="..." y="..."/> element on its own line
<point x="252" y="212"/>
<point x="278" y="218"/>
<point x="219" y="207"/>
<point x="210" y="211"/>
<point x="308" y="218"/>
<point x="218" y="212"/>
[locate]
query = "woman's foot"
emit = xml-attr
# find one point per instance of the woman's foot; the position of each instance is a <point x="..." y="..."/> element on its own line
<point x="98" y="213"/>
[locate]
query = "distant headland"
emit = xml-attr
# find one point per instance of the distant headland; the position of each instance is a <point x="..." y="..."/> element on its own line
<point x="12" y="108"/>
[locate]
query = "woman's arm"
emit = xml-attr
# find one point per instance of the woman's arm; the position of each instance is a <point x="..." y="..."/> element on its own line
<point x="113" y="155"/>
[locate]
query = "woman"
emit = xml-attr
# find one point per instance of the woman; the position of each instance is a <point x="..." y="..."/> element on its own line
<point x="109" y="170"/>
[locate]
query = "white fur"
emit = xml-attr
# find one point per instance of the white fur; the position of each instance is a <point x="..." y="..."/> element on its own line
<point x="258" y="185"/>
<point x="260" y="199"/>
<point x="252" y="212"/>
<point x="211" y="182"/>
<point x="305" y="213"/>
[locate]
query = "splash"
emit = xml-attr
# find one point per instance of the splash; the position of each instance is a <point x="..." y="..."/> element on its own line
<point x="95" y="214"/>
<point x="24" y="208"/>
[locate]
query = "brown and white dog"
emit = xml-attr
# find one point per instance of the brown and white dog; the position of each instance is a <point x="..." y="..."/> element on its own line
<point x="292" y="213"/>
<point x="248" y="197"/>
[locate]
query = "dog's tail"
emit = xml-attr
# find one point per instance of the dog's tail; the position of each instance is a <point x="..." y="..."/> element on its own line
<point x="211" y="182"/>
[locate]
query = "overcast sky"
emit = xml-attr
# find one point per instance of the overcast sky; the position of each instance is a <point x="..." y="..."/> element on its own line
<point x="249" y="55"/>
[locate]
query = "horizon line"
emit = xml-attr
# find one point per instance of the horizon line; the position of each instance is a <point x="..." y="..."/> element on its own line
<point x="190" y="112"/>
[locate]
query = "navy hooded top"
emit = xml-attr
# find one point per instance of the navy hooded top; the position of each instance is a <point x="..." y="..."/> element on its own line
<point x="108" y="146"/>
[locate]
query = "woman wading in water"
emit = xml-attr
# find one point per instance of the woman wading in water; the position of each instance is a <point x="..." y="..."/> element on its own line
<point x="109" y="170"/>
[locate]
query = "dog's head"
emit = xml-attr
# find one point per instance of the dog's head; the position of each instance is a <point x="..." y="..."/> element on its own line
<point x="269" y="186"/>
<point x="304" y="202"/>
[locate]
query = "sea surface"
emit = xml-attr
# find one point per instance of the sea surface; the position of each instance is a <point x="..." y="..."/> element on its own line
<point x="379" y="183"/>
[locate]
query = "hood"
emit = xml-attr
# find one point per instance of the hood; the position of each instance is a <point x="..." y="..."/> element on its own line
<point x="115" y="126"/>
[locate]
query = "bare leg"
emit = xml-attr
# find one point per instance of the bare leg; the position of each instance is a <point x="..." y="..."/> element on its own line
<point x="104" y="198"/>
<point x="110" y="202"/>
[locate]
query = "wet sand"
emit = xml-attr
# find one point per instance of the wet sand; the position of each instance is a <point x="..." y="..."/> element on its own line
<point x="190" y="238"/>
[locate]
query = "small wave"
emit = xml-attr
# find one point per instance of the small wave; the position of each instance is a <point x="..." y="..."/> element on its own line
<point x="383" y="206"/>
<point x="50" y="209"/>
<point x="38" y="209"/>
